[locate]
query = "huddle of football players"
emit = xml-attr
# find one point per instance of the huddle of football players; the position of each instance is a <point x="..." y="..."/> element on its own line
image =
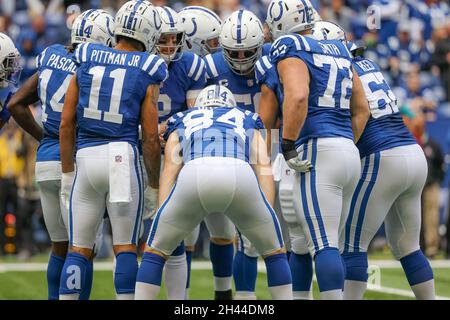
<point x="156" y="119"/>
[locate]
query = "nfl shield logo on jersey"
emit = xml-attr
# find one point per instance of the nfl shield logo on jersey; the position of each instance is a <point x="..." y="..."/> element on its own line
<point x="250" y="82"/>
<point x="118" y="159"/>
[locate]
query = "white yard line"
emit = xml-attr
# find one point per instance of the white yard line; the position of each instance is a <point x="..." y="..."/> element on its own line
<point x="398" y="292"/>
<point x="206" y="265"/>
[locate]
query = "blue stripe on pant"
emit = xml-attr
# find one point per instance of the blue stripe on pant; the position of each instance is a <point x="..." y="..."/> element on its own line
<point x="70" y="211"/>
<point x="348" y="223"/>
<point x="304" y="201"/>
<point x="365" y="200"/>
<point x="274" y="218"/>
<point x="137" y="224"/>
<point x="314" y="197"/>
<point x="363" y="206"/>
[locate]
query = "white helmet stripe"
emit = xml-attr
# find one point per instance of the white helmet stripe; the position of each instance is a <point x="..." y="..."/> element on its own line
<point x="171" y="21"/>
<point x="83" y="23"/>
<point x="132" y="14"/>
<point x="212" y="14"/>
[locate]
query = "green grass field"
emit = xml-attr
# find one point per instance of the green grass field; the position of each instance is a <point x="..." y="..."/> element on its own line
<point x="31" y="285"/>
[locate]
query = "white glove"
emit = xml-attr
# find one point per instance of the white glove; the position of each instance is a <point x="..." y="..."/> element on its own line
<point x="150" y="202"/>
<point x="299" y="165"/>
<point x="292" y="159"/>
<point x="66" y="188"/>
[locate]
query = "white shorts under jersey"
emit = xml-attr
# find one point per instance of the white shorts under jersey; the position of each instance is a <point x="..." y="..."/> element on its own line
<point x="389" y="191"/>
<point x="196" y="195"/>
<point x="48" y="178"/>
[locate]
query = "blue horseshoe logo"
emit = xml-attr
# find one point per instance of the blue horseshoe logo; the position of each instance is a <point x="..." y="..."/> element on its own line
<point x="280" y="4"/>
<point x="111" y="33"/>
<point x="195" y="28"/>
<point x="156" y="20"/>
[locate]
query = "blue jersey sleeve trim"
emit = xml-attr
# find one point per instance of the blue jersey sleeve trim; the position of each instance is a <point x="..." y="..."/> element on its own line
<point x="211" y="70"/>
<point x="40" y="58"/>
<point x="158" y="69"/>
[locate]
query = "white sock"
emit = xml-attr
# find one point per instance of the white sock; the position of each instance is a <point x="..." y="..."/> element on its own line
<point x="302" y="295"/>
<point x="124" y="296"/>
<point x="354" y="290"/>
<point x="222" y="283"/>
<point x="72" y="296"/>
<point x="331" y="295"/>
<point x="146" y="291"/>
<point x="175" y="277"/>
<point x="244" y="295"/>
<point x="283" y="292"/>
<point x="424" y="290"/>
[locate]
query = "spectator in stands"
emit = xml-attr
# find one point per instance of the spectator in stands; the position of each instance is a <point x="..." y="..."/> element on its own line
<point x="389" y="15"/>
<point x="11" y="166"/>
<point x="417" y="97"/>
<point x="431" y="195"/>
<point x="404" y="53"/>
<point x="430" y="238"/>
<point x="335" y="11"/>
<point x="28" y="49"/>
<point x="28" y="200"/>
<point x="376" y="51"/>
<point x="432" y="13"/>
<point x="441" y="57"/>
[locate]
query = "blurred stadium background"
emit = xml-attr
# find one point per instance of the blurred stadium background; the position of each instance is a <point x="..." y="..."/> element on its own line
<point x="408" y="38"/>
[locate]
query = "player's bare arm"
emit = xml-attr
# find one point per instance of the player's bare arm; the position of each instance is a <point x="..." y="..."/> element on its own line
<point x="268" y="110"/>
<point x="151" y="147"/>
<point x="359" y="107"/>
<point x="18" y="107"/>
<point x="294" y="76"/>
<point x="262" y="167"/>
<point x="190" y="102"/>
<point x="68" y="125"/>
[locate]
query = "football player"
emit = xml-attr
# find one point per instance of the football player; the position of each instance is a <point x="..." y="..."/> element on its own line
<point x="49" y="85"/>
<point x="215" y="137"/>
<point x="234" y="67"/>
<point x="186" y="78"/>
<point x="112" y="91"/>
<point x="300" y="260"/>
<point x="324" y="110"/>
<point x="202" y="29"/>
<point x="394" y="171"/>
<point x="10" y="69"/>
